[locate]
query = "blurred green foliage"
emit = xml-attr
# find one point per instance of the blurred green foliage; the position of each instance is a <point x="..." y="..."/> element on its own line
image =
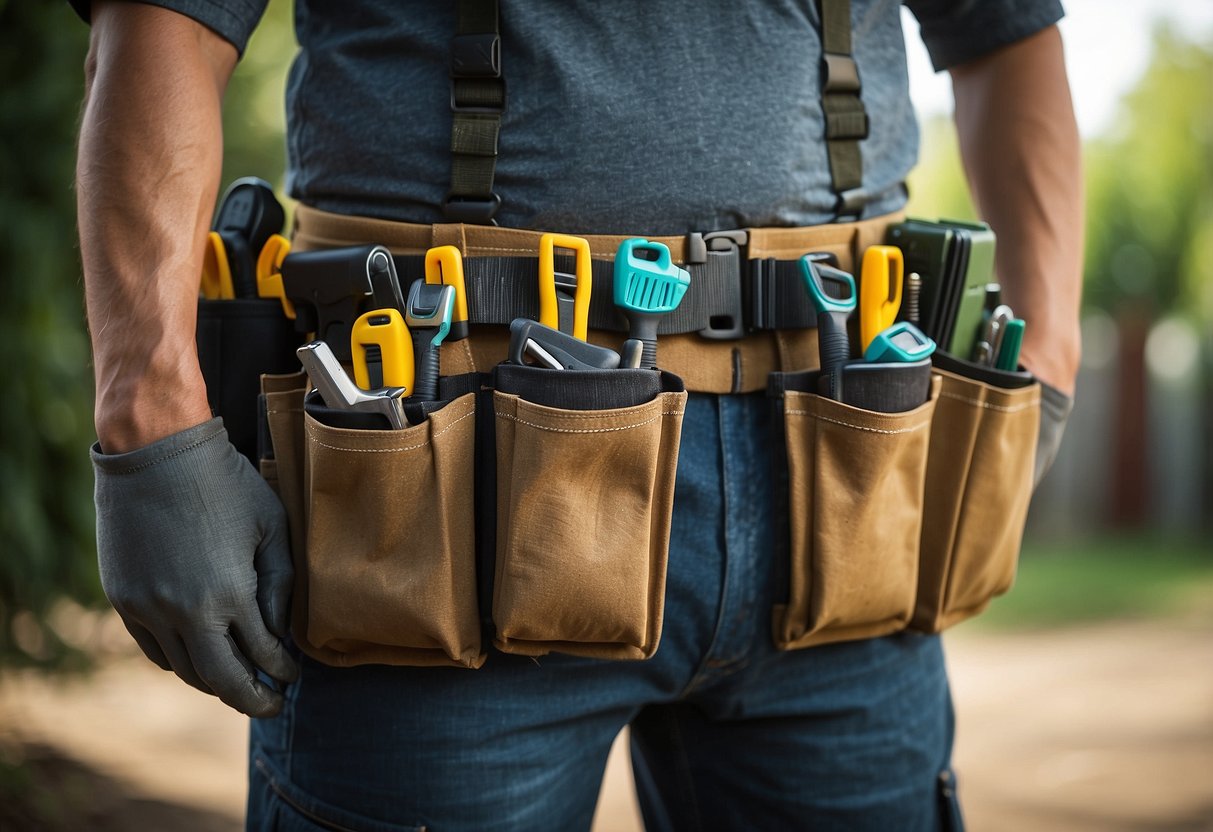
<point x="938" y="187"/>
<point x="1150" y="188"/>
<point x="46" y="511"/>
<point x="1081" y="582"/>
<point x="46" y="521"/>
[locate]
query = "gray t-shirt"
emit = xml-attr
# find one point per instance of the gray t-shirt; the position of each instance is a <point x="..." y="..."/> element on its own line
<point x="660" y="117"/>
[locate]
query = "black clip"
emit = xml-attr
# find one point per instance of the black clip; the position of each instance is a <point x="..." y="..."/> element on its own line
<point x="719" y="255"/>
<point x="476" y="56"/>
<point x="470" y="210"/>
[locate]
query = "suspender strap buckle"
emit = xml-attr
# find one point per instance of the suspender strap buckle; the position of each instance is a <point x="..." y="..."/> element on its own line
<point x="469" y="210"/>
<point x="841" y="74"/>
<point x="476" y="56"/>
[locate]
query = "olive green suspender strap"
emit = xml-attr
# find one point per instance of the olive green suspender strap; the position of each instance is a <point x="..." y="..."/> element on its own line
<point x="845" y="117"/>
<point x="478" y="103"/>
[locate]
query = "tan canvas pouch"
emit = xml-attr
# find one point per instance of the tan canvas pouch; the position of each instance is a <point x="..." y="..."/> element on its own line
<point x="584" y="499"/>
<point x="978" y="486"/>
<point x="284" y="414"/>
<point x="389" y="563"/>
<point x="855" y="492"/>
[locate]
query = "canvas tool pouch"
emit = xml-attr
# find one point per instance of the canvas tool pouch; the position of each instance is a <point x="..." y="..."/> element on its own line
<point x="585" y="465"/>
<point x="854" y="482"/>
<point x="978" y="486"/>
<point x="382" y="531"/>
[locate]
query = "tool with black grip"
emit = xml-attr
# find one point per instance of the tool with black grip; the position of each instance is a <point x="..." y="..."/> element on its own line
<point x="330" y="289"/>
<point x="556" y="350"/>
<point x="428" y="313"/>
<point x="249" y="214"/>
<point x="833" y="294"/>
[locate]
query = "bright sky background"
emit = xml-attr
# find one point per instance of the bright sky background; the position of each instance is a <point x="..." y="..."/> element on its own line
<point x="1107" y="48"/>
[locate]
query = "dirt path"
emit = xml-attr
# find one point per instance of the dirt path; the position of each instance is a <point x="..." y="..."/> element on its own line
<point x="1104" y="728"/>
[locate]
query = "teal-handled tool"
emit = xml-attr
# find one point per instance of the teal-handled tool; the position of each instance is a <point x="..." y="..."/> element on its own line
<point x="428" y="314"/>
<point x="1007" y="357"/>
<point x="833" y="293"/>
<point x="647" y="286"/>
<point x="901" y="343"/>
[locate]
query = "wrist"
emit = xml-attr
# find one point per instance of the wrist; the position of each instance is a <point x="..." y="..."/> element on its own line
<point x="135" y="411"/>
<point x="1056" y="365"/>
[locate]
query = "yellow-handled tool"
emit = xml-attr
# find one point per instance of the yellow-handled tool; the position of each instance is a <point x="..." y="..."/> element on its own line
<point x="444" y="265"/>
<point x="564" y="299"/>
<point x="879" y="291"/>
<point x="382" y="351"/>
<point x="216" y="270"/>
<point x="269" y="272"/>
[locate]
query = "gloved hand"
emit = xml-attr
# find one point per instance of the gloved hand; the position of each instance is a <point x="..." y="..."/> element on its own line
<point x="1055" y="407"/>
<point x="194" y="555"/>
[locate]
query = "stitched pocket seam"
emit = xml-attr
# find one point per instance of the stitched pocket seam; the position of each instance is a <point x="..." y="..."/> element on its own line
<point x="578" y="430"/>
<point x="392" y="450"/>
<point x="857" y="427"/>
<point x="1002" y="408"/>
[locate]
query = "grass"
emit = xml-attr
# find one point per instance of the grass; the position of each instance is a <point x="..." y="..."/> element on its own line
<point x="1061" y="585"/>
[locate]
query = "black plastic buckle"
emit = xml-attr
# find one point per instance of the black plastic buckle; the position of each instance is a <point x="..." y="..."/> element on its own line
<point x="471" y="210"/>
<point x="720" y="253"/>
<point x="476" y="56"/>
<point x="849" y="205"/>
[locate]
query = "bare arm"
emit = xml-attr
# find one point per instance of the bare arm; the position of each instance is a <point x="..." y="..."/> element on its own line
<point x="151" y="147"/>
<point x="1021" y="151"/>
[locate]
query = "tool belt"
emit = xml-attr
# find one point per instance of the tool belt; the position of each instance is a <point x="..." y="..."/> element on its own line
<point x="531" y="507"/>
<point x="744" y="316"/>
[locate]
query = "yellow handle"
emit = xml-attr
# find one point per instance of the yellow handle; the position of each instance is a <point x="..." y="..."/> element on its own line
<point x="269" y="272"/>
<point x="386" y="329"/>
<point x="216" y="271"/>
<point x="879" y="291"/>
<point x="549" y="313"/>
<point x="444" y="265"/>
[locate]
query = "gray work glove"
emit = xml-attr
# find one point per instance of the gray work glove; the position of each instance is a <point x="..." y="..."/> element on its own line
<point x="194" y="556"/>
<point x="1055" y="407"/>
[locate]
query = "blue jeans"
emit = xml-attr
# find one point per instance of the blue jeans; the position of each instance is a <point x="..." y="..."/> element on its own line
<point x="727" y="732"/>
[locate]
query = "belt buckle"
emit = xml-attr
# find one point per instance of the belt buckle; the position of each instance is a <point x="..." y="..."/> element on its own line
<point x="722" y="250"/>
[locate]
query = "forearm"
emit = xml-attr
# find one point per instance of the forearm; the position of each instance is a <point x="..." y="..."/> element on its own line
<point x="1022" y="154"/>
<point x="146" y="178"/>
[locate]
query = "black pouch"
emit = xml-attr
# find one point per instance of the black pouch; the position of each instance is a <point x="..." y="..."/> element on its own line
<point x="238" y="341"/>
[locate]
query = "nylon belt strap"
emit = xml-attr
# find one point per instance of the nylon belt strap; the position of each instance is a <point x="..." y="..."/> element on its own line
<point x="729" y="295"/>
<point x="477" y="105"/>
<point x="845" y="117"/>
